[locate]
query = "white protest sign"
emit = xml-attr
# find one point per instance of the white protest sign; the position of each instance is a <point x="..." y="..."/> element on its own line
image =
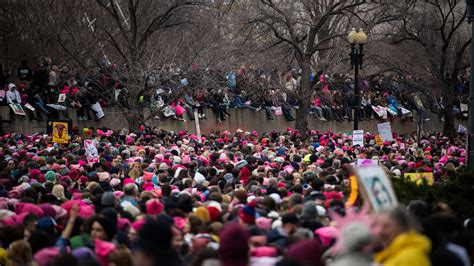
<point x="377" y="187"/>
<point x="99" y="112"/>
<point x="91" y="151"/>
<point x="30" y="107"/>
<point x="358" y="137"/>
<point x="385" y="131"/>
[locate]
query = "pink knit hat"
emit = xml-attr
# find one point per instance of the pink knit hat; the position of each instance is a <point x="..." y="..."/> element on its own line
<point x="264" y="223"/>
<point x="154" y="206"/>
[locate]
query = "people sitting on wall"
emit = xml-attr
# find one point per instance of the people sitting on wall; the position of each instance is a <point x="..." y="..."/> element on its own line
<point x="49" y="88"/>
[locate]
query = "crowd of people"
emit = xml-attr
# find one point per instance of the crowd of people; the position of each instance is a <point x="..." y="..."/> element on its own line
<point x="153" y="197"/>
<point x="176" y="92"/>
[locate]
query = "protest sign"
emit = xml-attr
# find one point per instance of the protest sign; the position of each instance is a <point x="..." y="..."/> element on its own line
<point x="366" y="162"/>
<point x="17" y="109"/>
<point x="57" y="107"/>
<point x="30" y="107"/>
<point x="60" y="132"/>
<point x="278" y="111"/>
<point x="419" y="178"/>
<point x="91" y="151"/>
<point x="99" y="113"/>
<point x="377" y="188"/>
<point x="62" y="98"/>
<point x="358" y="137"/>
<point x="380" y="111"/>
<point x="385" y="131"/>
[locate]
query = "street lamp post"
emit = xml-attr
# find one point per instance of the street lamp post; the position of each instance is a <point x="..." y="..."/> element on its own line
<point x="357" y="40"/>
<point x="470" y="136"/>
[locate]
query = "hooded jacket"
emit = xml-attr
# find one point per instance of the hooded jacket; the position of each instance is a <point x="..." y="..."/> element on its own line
<point x="408" y="248"/>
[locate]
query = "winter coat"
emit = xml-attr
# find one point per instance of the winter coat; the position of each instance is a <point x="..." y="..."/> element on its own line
<point x="408" y="248"/>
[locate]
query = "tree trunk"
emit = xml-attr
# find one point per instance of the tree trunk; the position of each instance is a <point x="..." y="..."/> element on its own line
<point x="449" y="128"/>
<point x="304" y="96"/>
<point x="135" y="116"/>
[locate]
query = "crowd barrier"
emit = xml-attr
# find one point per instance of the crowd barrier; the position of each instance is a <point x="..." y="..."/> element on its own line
<point x="240" y="118"/>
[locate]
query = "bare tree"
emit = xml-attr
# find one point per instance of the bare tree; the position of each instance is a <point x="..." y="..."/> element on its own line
<point x="313" y="31"/>
<point x="435" y="34"/>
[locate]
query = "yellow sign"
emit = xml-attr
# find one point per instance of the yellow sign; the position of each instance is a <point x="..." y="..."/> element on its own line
<point x="378" y="140"/>
<point x="419" y="177"/>
<point x="60" y="132"/>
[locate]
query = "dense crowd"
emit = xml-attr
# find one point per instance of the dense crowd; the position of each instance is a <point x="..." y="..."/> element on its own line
<point x="176" y="93"/>
<point x="161" y="198"/>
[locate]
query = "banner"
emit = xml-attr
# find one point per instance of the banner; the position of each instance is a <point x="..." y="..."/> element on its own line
<point x="419" y="177"/>
<point x="377" y="188"/>
<point x="60" y="132"/>
<point x="91" y="151"/>
<point x="358" y="138"/>
<point x="99" y="113"/>
<point x="385" y="131"/>
<point x="17" y="109"/>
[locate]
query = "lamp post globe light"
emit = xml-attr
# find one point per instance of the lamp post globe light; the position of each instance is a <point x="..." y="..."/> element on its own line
<point x="357" y="40"/>
<point x="470" y="136"/>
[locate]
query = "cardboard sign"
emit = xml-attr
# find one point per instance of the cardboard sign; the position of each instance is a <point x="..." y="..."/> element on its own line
<point x="378" y="140"/>
<point x="419" y="177"/>
<point x="385" y="131"/>
<point x="358" y="138"/>
<point x="17" y="109"/>
<point x="60" y="132"/>
<point x="62" y="98"/>
<point x="377" y="188"/>
<point x="91" y="151"/>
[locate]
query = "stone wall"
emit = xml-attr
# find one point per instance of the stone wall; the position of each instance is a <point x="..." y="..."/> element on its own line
<point x="244" y="119"/>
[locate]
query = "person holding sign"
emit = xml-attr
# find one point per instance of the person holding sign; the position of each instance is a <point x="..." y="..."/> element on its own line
<point x="13" y="95"/>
